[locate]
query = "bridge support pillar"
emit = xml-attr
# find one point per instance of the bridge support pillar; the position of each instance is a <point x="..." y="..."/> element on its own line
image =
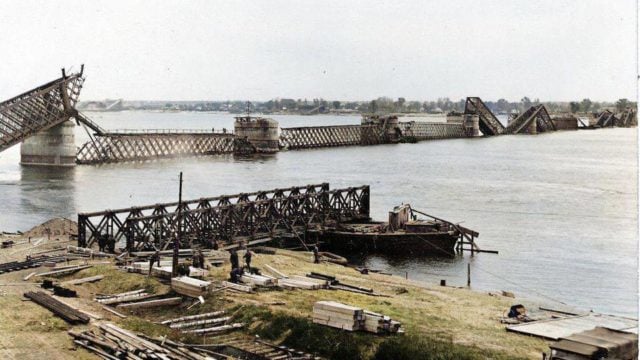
<point x="52" y="147"/>
<point x="532" y="129"/>
<point x="263" y="134"/>
<point x="471" y="125"/>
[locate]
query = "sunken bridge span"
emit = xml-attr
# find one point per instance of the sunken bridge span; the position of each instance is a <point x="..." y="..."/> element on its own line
<point x="39" y="119"/>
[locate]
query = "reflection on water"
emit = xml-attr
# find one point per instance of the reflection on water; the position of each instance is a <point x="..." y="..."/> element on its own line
<point x="561" y="208"/>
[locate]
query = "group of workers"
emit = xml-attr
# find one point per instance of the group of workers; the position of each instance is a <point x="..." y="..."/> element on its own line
<point x="236" y="269"/>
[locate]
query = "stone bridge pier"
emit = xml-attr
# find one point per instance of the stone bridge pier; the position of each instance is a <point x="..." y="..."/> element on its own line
<point x="54" y="146"/>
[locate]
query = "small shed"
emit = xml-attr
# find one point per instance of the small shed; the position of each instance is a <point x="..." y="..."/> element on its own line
<point x="598" y="343"/>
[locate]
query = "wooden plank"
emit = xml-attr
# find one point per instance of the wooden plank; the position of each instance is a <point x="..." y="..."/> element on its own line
<point x="238" y="287"/>
<point x="84" y="280"/>
<point x="275" y="271"/>
<point x="114" y="312"/>
<point x="151" y="303"/>
<point x="193" y="317"/>
<point x="64" y="271"/>
<point x="559" y="328"/>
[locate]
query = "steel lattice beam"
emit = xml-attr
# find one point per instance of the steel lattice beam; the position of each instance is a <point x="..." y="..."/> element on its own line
<point x="110" y="223"/>
<point x="289" y="215"/>
<point x="536" y="113"/>
<point x="39" y="109"/>
<point x="489" y="124"/>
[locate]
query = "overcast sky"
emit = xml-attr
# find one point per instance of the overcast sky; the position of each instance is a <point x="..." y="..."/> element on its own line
<point x="351" y="50"/>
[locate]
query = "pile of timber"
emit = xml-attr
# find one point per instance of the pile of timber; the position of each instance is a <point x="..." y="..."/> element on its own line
<point x="87" y="252"/>
<point x="258" y="280"/>
<point x="123" y="297"/>
<point x="337" y="315"/>
<point x="150" y="303"/>
<point x="352" y="318"/>
<point x="381" y="324"/>
<point x="114" y="343"/>
<point x="301" y="282"/>
<point x="64" y="311"/>
<point x="31" y="263"/>
<point x="191" y="287"/>
<point x="237" y="287"/>
<point x="204" y="324"/>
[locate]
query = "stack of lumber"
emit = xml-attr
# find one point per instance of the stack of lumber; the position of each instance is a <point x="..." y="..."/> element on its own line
<point x="123" y="297"/>
<point x="87" y="252"/>
<point x="215" y="329"/>
<point x="258" y="280"/>
<point x="171" y="322"/>
<point x="188" y="286"/>
<point x="380" y="324"/>
<point x="337" y="315"/>
<point x="64" y="311"/>
<point x="301" y="282"/>
<point x="237" y="287"/>
<point x="112" y="342"/>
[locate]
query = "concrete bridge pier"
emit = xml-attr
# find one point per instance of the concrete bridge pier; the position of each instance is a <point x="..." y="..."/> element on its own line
<point x="471" y="125"/>
<point x="51" y="147"/>
<point x="262" y="133"/>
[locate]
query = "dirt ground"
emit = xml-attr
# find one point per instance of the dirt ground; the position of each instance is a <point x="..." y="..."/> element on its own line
<point x="28" y="331"/>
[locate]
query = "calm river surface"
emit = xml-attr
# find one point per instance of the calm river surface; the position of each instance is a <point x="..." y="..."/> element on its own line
<point x="561" y="208"/>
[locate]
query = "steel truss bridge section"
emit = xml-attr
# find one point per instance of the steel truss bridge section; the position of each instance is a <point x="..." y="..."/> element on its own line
<point x="111" y="223"/>
<point x="329" y="136"/>
<point x="537" y="113"/>
<point x="144" y="146"/>
<point x="39" y="109"/>
<point x="489" y="124"/>
<point x="245" y="221"/>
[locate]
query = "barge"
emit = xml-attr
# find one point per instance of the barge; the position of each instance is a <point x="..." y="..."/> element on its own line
<point x="405" y="233"/>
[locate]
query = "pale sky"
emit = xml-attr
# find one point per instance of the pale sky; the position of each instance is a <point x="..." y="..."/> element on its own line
<point x="348" y="50"/>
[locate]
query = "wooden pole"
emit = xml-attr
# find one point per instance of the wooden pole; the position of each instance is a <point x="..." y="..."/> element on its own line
<point x="176" y="242"/>
<point x="469" y="274"/>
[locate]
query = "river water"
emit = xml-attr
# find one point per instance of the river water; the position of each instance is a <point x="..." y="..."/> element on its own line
<point x="561" y="208"/>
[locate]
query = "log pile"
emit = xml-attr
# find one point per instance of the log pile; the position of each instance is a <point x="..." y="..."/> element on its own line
<point x="352" y="318"/>
<point x="114" y="343"/>
<point x="64" y="311"/>
<point x="151" y="303"/>
<point x="123" y="297"/>
<point x="191" y="287"/>
<point x="337" y="315"/>
<point x="170" y="322"/>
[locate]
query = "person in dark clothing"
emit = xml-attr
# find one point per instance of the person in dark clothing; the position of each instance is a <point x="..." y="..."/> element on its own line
<point x="215" y="245"/>
<point x="235" y="275"/>
<point x="316" y="255"/>
<point x="247" y="259"/>
<point x="201" y="259"/>
<point x="102" y="242"/>
<point x="196" y="260"/>
<point x="234" y="259"/>
<point x="155" y="257"/>
<point x="183" y="269"/>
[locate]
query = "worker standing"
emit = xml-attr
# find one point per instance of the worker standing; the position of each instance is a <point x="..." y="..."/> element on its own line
<point x="316" y="254"/>
<point x="247" y="259"/>
<point x="155" y="257"/>
<point x="234" y="259"/>
<point x="201" y="259"/>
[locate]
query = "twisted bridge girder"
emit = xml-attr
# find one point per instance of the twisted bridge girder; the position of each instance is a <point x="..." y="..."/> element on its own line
<point x="489" y="124"/>
<point x="537" y="113"/>
<point x="39" y="109"/>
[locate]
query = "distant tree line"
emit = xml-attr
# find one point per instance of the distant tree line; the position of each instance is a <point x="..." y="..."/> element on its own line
<point x="381" y="105"/>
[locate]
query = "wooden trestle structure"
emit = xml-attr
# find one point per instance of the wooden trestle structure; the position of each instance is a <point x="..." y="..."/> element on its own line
<point x="39" y="109"/>
<point x="226" y="220"/>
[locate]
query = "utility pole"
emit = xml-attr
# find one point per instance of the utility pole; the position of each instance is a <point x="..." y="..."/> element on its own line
<point x="176" y="241"/>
